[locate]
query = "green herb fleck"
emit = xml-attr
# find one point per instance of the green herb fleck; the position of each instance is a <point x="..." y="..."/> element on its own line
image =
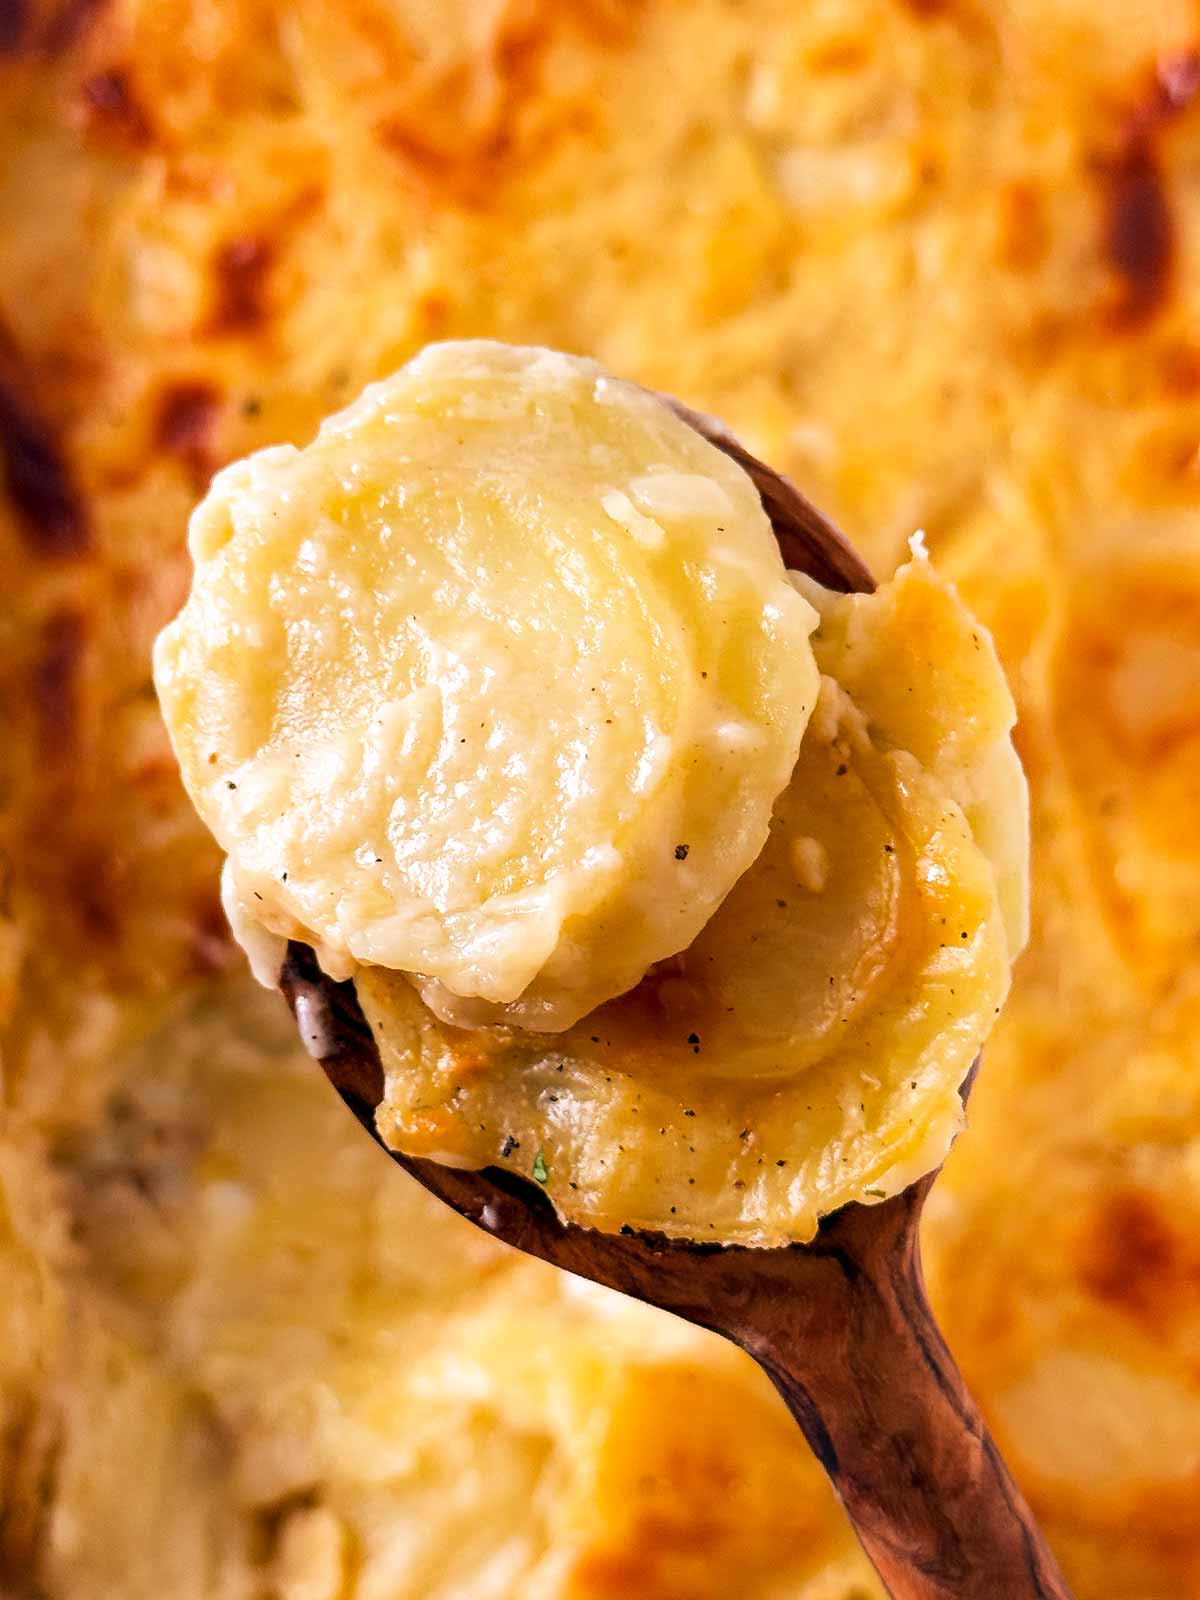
<point x="539" y="1168"/>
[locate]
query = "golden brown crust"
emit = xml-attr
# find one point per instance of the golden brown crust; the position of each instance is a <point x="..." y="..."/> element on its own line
<point x="940" y="262"/>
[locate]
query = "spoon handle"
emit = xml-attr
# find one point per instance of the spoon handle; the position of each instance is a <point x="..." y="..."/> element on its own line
<point x="868" y="1376"/>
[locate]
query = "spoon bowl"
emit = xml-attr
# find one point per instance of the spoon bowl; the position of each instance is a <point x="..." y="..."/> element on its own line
<point x="841" y="1325"/>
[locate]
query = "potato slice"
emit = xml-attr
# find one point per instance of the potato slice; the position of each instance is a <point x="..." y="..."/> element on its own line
<point x="808" y="1048"/>
<point x="495" y="683"/>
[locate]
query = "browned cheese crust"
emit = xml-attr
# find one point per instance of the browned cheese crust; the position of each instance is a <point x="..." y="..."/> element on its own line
<point x="938" y="259"/>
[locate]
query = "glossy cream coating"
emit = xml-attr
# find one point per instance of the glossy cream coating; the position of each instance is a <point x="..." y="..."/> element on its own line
<point x="494" y="684"/>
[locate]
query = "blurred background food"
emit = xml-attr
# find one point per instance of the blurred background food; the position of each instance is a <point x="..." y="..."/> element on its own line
<point x="936" y="258"/>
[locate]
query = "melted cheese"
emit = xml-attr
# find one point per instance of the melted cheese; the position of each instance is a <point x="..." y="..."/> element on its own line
<point x="495" y="683"/>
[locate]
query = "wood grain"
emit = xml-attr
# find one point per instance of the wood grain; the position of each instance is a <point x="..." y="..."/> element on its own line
<point x="842" y="1325"/>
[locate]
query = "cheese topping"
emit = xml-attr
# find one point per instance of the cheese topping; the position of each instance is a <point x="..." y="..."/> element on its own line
<point x="494" y="684"/>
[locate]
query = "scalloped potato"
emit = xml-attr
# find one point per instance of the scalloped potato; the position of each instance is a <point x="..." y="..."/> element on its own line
<point x="808" y="1048"/>
<point x="499" y="695"/>
<point x="890" y="243"/>
<point x="495" y="683"/>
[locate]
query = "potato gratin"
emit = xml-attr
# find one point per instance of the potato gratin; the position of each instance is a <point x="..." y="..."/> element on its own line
<point x="499" y="695"/>
<point x="454" y="680"/>
<point x="938" y="260"/>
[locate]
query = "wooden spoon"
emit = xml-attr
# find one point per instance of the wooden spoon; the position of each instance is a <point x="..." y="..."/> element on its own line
<point x="841" y="1326"/>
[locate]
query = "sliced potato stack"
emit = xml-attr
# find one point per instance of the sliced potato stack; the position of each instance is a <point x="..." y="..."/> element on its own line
<point x="494" y="683"/>
<point x="498" y="694"/>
